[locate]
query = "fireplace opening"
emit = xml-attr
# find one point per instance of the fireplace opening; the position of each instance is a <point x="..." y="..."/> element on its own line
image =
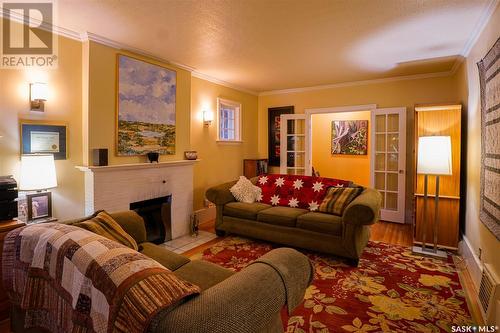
<point x="157" y="218"/>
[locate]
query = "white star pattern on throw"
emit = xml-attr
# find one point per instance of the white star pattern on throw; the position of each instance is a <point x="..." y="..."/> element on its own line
<point x="293" y="202"/>
<point x="280" y="181"/>
<point x="313" y="205"/>
<point x="259" y="197"/>
<point x="263" y="180"/>
<point x="297" y="184"/>
<point x="317" y="186"/>
<point x="275" y="200"/>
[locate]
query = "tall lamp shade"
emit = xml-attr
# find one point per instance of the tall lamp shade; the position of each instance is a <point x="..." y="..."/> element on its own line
<point x="38" y="172"/>
<point x="434" y="155"/>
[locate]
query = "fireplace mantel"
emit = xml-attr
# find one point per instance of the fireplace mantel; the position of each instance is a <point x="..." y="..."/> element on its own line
<point x="117" y="167"/>
<point x="114" y="187"/>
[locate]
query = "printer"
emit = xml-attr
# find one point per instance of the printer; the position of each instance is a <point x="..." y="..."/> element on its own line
<point x="8" y="198"/>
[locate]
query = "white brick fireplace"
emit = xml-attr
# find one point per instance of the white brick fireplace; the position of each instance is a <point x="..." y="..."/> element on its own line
<point x="114" y="187"/>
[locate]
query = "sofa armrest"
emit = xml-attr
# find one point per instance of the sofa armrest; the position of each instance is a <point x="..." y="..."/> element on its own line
<point x="248" y="301"/>
<point x="132" y="223"/>
<point x="220" y="194"/>
<point x="364" y="209"/>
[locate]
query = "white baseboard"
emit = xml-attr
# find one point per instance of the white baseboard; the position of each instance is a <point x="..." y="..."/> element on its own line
<point x="474" y="265"/>
<point x="205" y="214"/>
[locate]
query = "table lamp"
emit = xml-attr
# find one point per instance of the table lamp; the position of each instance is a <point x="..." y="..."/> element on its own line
<point x="38" y="173"/>
<point x="433" y="159"/>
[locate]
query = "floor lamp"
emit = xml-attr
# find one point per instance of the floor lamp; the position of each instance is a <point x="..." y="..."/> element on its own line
<point x="434" y="159"/>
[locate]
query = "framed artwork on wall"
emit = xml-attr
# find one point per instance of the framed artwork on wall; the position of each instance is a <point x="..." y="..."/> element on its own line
<point x="274" y="132"/>
<point x="44" y="139"/>
<point x="350" y="137"/>
<point x="145" y="116"/>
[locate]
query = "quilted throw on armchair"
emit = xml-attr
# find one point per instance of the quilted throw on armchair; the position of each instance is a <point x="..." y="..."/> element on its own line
<point x="68" y="279"/>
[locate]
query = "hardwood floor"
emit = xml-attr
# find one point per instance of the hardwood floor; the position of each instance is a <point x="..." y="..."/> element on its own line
<point x="392" y="233"/>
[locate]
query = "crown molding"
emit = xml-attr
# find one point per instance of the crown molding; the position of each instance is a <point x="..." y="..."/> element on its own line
<point x="89" y="36"/>
<point x="478" y="29"/>
<point x="212" y="79"/>
<point x="60" y="31"/>
<point x="356" y="83"/>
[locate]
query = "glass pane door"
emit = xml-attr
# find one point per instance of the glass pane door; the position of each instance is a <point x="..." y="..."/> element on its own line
<point x="388" y="175"/>
<point x="293" y="147"/>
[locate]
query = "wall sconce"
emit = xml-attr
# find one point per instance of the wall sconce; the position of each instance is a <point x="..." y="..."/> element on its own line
<point x="38" y="96"/>
<point x="208" y="117"/>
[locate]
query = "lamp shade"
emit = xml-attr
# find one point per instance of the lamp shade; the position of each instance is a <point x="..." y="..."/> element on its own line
<point x="39" y="91"/>
<point x="434" y="155"/>
<point x="38" y="172"/>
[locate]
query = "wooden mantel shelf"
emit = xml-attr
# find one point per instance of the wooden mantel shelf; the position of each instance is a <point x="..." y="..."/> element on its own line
<point x="119" y="167"/>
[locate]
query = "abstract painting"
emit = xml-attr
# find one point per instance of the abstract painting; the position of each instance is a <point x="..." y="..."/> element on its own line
<point x="350" y="137"/>
<point x="146" y="108"/>
<point x="489" y="79"/>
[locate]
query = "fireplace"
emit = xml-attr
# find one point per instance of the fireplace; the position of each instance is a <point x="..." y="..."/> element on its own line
<point x="157" y="217"/>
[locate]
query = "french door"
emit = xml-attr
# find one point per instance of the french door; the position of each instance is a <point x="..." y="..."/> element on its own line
<point x="293" y="144"/>
<point x="388" y="160"/>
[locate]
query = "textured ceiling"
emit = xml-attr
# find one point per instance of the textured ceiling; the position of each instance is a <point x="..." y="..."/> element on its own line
<point x="276" y="44"/>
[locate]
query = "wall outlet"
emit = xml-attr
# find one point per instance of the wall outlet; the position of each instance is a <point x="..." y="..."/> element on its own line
<point x="479" y="253"/>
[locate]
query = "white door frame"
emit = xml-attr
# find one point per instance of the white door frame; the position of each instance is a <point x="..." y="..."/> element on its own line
<point x="388" y="215"/>
<point x="311" y="111"/>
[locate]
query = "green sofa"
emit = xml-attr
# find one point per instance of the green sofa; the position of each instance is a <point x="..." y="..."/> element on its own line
<point x="344" y="236"/>
<point x="245" y="302"/>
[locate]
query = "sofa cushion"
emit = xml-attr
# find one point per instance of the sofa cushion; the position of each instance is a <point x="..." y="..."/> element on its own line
<point x="245" y="191"/>
<point x="337" y="199"/>
<point x="203" y="273"/>
<point x="284" y="216"/>
<point x="169" y="259"/>
<point x="320" y="222"/>
<point x="244" y="210"/>
<point x="103" y="224"/>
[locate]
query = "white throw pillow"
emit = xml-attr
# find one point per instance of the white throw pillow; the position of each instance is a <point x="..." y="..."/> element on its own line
<point x="245" y="191"/>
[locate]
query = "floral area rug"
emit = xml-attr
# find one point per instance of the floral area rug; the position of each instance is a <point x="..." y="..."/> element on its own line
<point x="392" y="290"/>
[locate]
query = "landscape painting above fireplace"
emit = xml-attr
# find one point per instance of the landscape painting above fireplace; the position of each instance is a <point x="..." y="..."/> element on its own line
<point x="146" y="108"/>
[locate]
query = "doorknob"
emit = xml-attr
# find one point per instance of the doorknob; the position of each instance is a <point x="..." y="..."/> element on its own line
<point x="401" y="172"/>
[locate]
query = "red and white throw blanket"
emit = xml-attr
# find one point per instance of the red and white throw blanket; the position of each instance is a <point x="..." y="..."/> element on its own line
<point x="68" y="279"/>
<point x="296" y="191"/>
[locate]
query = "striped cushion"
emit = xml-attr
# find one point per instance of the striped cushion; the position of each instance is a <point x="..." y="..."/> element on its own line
<point x="337" y="199"/>
<point x="103" y="224"/>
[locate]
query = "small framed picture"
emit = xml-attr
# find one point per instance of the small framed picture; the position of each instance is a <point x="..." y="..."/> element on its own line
<point x="39" y="205"/>
<point x="44" y="139"/>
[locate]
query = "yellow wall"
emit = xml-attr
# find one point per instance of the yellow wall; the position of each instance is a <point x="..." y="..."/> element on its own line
<point x="404" y="93"/>
<point x="102" y="104"/>
<point x="468" y="85"/>
<point x="220" y="162"/>
<point x="350" y="167"/>
<point x="63" y="107"/>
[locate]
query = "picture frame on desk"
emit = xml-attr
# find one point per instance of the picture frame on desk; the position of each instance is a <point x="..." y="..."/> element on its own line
<point x="39" y="206"/>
